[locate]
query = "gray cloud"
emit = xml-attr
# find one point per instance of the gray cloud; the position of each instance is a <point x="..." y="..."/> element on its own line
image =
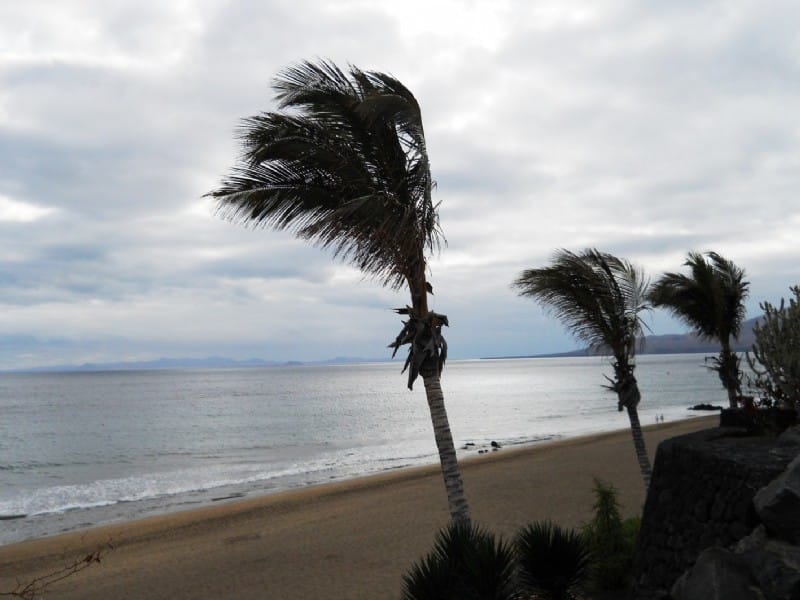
<point x="646" y="130"/>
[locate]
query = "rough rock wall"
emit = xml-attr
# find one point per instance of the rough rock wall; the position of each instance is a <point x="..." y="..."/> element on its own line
<point x="701" y="495"/>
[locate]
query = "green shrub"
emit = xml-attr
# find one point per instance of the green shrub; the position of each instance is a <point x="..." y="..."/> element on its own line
<point x="546" y="562"/>
<point x="630" y="531"/>
<point x="552" y="561"/>
<point x="610" y="540"/>
<point x="776" y="353"/>
<point x="466" y="563"/>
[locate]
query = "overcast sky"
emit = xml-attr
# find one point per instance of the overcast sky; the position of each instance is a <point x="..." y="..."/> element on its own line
<point x="646" y="129"/>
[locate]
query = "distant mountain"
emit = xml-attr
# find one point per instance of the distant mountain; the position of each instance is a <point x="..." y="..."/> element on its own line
<point x="653" y="344"/>
<point x="686" y="343"/>
<point x="211" y="362"/>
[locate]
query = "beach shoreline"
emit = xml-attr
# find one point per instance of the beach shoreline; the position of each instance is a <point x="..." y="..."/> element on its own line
<point x="346" y="539"/>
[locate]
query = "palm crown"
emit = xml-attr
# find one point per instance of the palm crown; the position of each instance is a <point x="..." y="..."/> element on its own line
<point x="598" y="296"/>
<point x="344" y="165"/>
<point x="710" y="299"/>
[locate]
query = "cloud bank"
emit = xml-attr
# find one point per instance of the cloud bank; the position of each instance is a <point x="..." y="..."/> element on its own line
<point x="645" y="130"/>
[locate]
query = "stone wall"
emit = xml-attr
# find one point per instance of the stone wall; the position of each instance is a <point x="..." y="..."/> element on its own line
<point x="701" y="495"/>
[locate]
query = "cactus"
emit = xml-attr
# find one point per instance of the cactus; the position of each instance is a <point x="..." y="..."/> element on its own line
<point x="776" y="353"/>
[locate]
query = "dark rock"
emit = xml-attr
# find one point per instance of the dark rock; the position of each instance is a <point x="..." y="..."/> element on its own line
<point x="774" y="420"/>
<point x="718" y="574"/>
<point x="789" y="438"/>
<point x="738" y="530"/>
<point x="754" y="541"/>
<point x="705" y="407"/>
<point x="774" y="564"/>
<point x="701" y="494"/>
<point x="496" y="445"/>
<point x="778" y="504"/>
<point x="733" y="417"/>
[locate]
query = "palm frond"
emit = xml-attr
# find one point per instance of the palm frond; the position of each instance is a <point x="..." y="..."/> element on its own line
<point x="600" y="298"/>
<point x="343" y="164"/>
<point x="710" y="299"/>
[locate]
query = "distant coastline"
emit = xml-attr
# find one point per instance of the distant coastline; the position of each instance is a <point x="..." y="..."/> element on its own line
<point x="653" y="344"/>
<point x="686" y="343"/>
<point x="211" y="362"/>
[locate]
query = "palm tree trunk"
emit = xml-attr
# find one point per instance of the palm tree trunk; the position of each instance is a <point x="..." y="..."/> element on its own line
<point x="729" y="373"/>
<point x="457" y="501"/>
<point x="638" y="445"/>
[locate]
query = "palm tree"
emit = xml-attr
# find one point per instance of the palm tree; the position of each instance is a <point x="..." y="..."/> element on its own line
<point x="345" y="166"/>
<point x="600" y="298"/>
<point x="710" y="300"/>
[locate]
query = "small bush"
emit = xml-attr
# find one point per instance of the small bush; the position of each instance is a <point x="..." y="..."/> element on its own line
<point x="546" y="562"/>
<point x="776" y="353"/>
<point x="610" y="540"/>
<point x="466" y="563"/>
<point x="553" y="562"/>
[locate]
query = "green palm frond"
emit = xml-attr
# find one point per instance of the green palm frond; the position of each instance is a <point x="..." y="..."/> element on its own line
<point x="710" y="299"/>
<point x="343" y="164"/>
<point x="600" y="298"/>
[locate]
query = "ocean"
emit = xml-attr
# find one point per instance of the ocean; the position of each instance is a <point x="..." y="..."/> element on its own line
<point x="82" y="449"/>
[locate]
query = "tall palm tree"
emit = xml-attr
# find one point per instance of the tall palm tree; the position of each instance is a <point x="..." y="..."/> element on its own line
<point x="710" y="300"/>
<point x="600" y="299"/>
<point x="343" y="164"/>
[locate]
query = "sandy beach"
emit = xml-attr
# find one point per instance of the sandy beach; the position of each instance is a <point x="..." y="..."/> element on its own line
<point x="346" y="540"/>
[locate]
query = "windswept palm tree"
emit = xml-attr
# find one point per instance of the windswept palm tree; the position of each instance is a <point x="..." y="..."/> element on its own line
<point x="600" y="299"/>
<point x="710" y="300"/>
<point x="343" y="164"/>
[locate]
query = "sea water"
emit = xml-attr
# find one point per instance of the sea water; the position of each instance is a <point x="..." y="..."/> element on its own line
<point x="81" y="449"/>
